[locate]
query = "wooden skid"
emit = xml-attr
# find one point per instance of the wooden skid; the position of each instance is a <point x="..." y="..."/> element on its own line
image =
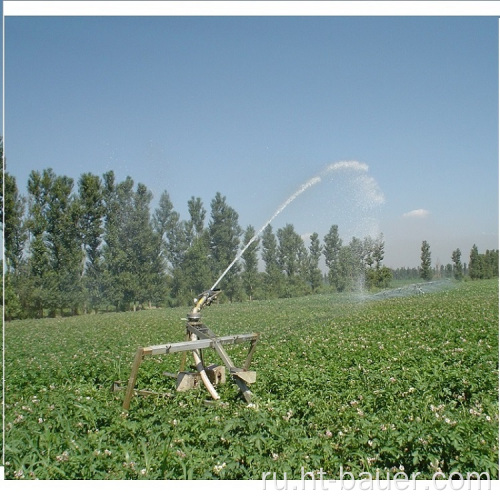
<point x="191" y="380"/>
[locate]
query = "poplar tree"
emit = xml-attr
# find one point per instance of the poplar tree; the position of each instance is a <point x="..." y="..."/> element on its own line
<point x="91" y="199"/>
<point x="12" y="207"/>
<point x="273" y="276"/>
<point x="314" y="256"/>
<point x="224" y="240"/>
<point x="425" y="259"/>
<point x="293" y="260"/>
<point x="331" y="251"/>
<point x="457" y="264"/>
<point x="250" y="274"/>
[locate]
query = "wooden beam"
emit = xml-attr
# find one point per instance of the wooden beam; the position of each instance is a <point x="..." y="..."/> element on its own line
<point x="133" y="377"/>
<point x="251" y="351"/>
<point x="193" y="345"/>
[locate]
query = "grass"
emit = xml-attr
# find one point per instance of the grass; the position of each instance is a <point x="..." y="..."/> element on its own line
<point x="398" y="384"/>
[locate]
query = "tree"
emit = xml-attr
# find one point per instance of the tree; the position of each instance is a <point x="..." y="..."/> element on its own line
<point x="38" y="287"/>
<point x="64" y="237"/>
<point x="91" y="199"/>
<point x="475" y="271"/>
<point x="378" y="251"/>
<point x="197" y="214"/>
<point x="331" y="251"/>
<point x="273" y="276"/>
<point x="293" y="261"/>
<point x="224" y="239"/>
<point x="145" y="250"/>
<point x="55" y="257"/>
<point x="290" y="244"/>
<point x="250" y="275"/>
<point x="376" y="275"/>
<point x="12" y="206"/>
<point x="425" y="258"/>
<point x="118" y="207"/>
<point x="457" y="264"/>
<point x="191" y="278"/>
<point x="315" y="276"/>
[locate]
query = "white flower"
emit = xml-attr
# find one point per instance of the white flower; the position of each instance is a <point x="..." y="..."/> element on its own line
<point x="219" y="467"/>
<point x="19" y="474"/>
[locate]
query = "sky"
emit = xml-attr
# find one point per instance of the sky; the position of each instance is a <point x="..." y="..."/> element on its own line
<point x="254" y="107"/>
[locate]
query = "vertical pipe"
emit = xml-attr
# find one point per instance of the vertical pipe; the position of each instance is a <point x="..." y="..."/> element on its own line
<point x="203" y="374"/>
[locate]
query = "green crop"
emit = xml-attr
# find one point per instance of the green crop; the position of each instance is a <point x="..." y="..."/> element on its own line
<point x="399" y="384"/>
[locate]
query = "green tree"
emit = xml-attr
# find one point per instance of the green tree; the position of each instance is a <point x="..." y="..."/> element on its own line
<point x="475" y="265"/>
<point x="224" y="239"/>
<point x="37" y="289"/>
<point x="191" y="278"/>
<point x="489" y="264"/>
<point x="331" y="251"/>
<point x="12" y="206"/>
<point x="457" y="264"/>
<point x="290" y="245"/>
<point x="250" y="274"/>
<point x="144" y="250"/>
<point x="494" y="259"/>
<point x="376" y="275"/>
<point x="174" y="234"/>
<point x="119" y="286"/>
<point x="292" y="259"/>
<point x="197" y="215"/>
<point x="91" y="199"/>
<point x="425" y="260"/>
<point x="64" y="238"/>
<point x="378" y="251"/>
<point x="315" y="276"/>
<point x="273" y="277"/>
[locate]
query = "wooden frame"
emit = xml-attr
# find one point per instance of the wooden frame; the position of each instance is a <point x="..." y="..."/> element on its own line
<point x="202" y="338"/>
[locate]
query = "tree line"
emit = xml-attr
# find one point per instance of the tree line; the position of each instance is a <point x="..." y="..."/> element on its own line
<point x="97" y="245"/>
<point x="479" y="266"/>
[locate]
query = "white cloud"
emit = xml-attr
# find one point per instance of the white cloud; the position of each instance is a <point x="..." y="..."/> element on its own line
<point x="420" y="213"/>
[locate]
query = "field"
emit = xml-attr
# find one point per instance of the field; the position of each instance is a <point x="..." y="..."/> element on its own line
<point x="403" y="384"/>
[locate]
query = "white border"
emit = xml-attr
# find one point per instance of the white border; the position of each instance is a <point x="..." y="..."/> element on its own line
<point x="251" y="8"/>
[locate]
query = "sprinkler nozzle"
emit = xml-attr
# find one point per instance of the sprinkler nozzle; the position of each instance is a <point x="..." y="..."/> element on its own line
<point x="204" y="299"/>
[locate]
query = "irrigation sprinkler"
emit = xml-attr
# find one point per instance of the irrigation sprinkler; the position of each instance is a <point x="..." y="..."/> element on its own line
<point x="198" y="338"/>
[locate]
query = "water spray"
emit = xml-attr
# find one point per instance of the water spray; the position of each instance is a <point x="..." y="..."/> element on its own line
<point x="304" y="187"/>
<point x="368" y="184"/>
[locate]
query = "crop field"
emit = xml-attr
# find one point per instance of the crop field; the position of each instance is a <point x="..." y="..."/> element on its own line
<point x="401" y="384"/>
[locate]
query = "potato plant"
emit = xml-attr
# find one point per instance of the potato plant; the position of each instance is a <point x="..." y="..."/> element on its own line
<point x="398" y="384"/>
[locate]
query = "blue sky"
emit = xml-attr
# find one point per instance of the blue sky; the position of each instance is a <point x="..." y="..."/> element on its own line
<point x="253" y="107"/>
